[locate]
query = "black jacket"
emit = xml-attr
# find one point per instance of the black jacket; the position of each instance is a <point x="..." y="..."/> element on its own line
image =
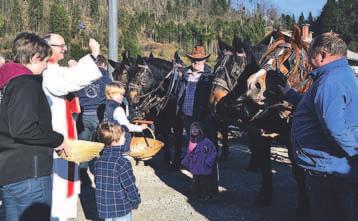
<point x="26" y="134"/>
<point x="201" y="101"/>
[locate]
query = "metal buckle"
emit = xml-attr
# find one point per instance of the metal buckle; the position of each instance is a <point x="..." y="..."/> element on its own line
<point x="316" y="173"/>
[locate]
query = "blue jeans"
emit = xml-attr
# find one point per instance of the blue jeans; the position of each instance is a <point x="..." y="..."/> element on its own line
<point x="87" y="125"/>
<point x="127" y="217"/>
<point x="2" y="208"/>
<point x="28" y="199"/>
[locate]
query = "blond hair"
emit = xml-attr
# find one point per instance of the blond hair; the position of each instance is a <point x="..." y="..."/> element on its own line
<point x="114" y="87"/>
<point x="108" y="133"/>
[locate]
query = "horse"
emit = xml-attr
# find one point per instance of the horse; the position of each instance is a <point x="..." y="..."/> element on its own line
<point x="232" y="62"/>
<point x="234" y="66"/>
<point x="262" y="109"/>
<point x="151" y="84"/>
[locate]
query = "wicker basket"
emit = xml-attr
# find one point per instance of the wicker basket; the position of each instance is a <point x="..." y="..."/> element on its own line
<point x="144" y="148"/>
<point x="81" y="151"/>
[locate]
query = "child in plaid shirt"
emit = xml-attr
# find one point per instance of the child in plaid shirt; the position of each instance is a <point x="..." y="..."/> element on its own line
<point x="116" y="192"/>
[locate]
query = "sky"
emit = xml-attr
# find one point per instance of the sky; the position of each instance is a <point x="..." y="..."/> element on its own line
<point x="289" y="6"/>
<point x="297" y="6"/>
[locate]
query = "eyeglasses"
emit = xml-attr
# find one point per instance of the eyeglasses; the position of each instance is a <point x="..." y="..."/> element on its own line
<point x="61" y="45"/>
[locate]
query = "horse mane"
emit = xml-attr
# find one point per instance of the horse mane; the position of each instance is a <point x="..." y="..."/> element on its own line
<point x="159" y="63"/>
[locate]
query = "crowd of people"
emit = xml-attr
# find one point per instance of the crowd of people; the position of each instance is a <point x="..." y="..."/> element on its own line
<point x="44" y="104"/>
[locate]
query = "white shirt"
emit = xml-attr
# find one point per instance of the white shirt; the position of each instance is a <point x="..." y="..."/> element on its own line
<point x="120" y="116"/>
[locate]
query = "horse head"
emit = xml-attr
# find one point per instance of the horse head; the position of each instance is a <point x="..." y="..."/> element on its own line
<point x="120" y="72"/>
<point x="285" y="60"/>
<point x="231" y="63"/>
<point x="140" y="80"/>
<point x="151" y="82"/>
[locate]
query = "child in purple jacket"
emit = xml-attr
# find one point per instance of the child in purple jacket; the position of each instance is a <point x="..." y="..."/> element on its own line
<point x="200" y="160"/>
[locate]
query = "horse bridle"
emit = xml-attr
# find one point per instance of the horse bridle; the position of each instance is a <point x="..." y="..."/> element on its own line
<point x="235" y="73"/>
<point x="301" y="68"/>
<point x="150" y="98"/>
<point x="276" y="54"/>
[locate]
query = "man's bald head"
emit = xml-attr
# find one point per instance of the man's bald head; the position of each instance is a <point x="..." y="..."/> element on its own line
<point x="58" y="47"/>
<point x="54" y="39"/>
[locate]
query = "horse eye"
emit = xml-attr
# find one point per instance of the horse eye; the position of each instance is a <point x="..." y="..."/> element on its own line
<point x="258" y="85"/>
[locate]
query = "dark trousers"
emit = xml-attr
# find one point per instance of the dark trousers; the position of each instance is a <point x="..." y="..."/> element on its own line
<point x="203" y="186"/>
<point x="332" y="198"/>
<point x="163" y="127"/>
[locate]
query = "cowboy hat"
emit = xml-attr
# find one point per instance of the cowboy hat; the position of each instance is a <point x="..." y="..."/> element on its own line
<point x="198" y="53"/>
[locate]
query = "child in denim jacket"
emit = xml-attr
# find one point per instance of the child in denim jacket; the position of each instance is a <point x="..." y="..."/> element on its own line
<point x="200" y="160"/>
<point x="116" y="192"/>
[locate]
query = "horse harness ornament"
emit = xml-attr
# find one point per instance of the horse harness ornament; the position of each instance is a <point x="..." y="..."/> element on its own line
<point x="227" y="83"/>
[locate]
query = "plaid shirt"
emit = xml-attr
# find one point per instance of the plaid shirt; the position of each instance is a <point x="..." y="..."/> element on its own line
<point x="116" y="192"/>
<point x="189" y="98"/>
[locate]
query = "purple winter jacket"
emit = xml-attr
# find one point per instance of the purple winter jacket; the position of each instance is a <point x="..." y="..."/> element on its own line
<point x="202" y="159"/>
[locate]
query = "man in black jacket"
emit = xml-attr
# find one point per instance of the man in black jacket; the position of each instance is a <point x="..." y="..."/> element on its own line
<point x="194" y="91"/>
<point x="26" y="135"/>
<point x="193" y="100"/>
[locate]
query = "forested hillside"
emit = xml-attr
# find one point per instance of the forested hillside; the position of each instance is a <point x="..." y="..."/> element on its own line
<point x="179" y="22"/>
<point x="160" y="25"/>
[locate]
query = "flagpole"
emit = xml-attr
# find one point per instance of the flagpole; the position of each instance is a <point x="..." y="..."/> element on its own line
<point x="112" y="31"/>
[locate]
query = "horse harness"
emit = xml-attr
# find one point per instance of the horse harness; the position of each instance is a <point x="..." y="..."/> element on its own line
<point x="151" y="99"/>
<point x="289" y="63"/>
<point x="227" y="83"/>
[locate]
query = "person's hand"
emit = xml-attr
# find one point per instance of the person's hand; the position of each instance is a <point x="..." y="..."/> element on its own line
<point x="95" y="47"/>
<point x="72" y="63"/>
<point x="63" y="147"/>
<point x="144" y="126"/>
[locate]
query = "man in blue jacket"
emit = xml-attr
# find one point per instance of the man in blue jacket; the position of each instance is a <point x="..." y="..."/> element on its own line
<point x="325" y="131"/>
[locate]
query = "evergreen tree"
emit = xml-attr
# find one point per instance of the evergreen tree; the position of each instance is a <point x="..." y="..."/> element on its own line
<point x="130" y="43"/>
<point x="35" y="14"/>
<point x="327" y="20"/>
<point x="16" y="22"/>
<point x="59" y="20"/>
<point x="301" y="19"/>
<point x="94" y="8"/>
<point x="310" y="18"/>
<point x="75" y="20"/>
<point x="2" y="24"/>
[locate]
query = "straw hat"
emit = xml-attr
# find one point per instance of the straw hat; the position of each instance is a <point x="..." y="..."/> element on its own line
<point x="198" y="53"/>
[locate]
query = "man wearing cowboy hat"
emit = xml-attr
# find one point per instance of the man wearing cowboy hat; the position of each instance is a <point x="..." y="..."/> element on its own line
<point x="193" y="93"/>
<point x="193" y="99"/>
